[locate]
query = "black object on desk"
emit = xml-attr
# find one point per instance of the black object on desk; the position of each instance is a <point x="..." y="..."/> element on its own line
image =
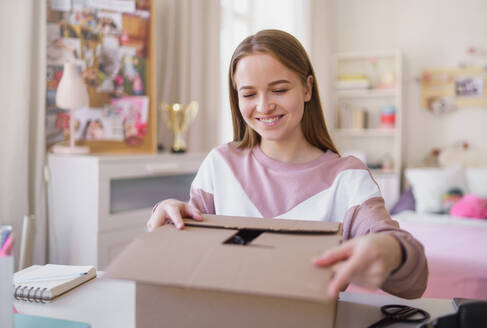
<point x="469" y="315"/>
<point x="400" y="313"/>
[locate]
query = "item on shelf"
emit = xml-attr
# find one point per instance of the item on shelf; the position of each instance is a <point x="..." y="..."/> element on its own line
<point x="388" y="117"/>
<point x="374" y="166"/>
<point x="71" y="95"/>
<point x="387" y="163"/>
<point x="374" y="73"/>
<point x="359" y="118"/>
<point x="347" y="82"/>
<point x="345" y="117"/>
<point x="387" y="81"/>
<point x="43" y="283"/>
<point x="178" y="117"/>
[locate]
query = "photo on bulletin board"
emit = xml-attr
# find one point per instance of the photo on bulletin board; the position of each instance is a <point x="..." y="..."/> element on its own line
<point x="469" y="87"/>
<point x="110" y="42"/>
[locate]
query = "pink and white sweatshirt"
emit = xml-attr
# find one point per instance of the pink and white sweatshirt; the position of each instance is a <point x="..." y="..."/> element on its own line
<point x="246" y="182"/>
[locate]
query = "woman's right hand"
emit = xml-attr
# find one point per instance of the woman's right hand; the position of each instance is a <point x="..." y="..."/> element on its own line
<point x="172" y="210"/>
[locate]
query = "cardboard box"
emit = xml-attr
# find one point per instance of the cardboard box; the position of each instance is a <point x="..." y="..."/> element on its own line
<point x="231" y="272"/>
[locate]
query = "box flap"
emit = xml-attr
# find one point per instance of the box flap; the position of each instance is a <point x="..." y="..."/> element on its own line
<point x="275" y="263"/>
<point x="278" y="225"/>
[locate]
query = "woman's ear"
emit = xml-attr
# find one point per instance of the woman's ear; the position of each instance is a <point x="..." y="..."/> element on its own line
<point x="308" y="89"/>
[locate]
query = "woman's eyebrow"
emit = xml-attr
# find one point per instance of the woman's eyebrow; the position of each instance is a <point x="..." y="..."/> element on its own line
<point x="270" y="84"/>
<point x="278" y="82"/>
<point x="245" y="87"/>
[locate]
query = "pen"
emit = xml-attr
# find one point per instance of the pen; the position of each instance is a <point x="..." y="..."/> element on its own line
<point x="5" y="232"/>
<point x="51" y="278"/>
<point x="7" y="246"/>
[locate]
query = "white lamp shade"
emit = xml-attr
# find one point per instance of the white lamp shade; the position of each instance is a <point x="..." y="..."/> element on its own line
<point x="71" y="92"/>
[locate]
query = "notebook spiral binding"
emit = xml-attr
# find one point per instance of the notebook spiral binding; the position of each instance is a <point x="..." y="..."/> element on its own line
<point x="33" y="294"/>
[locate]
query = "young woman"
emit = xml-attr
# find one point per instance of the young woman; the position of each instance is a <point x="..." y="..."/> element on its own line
<point x="283" y="164"/>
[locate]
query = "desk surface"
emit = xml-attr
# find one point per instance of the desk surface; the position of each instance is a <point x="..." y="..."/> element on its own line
<point x="111" y="303"/>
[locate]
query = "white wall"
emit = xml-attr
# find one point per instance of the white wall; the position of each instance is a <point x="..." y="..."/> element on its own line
<point x="431" y="34"/>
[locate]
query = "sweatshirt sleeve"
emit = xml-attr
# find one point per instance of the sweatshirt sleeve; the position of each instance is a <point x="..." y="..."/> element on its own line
<point x="410" y="279"/>
<point x="202" y="200"/>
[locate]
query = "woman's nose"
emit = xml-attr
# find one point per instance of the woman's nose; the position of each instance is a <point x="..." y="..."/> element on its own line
<point x="264" y="106"/>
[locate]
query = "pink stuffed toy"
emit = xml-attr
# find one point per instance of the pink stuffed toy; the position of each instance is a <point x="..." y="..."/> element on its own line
<point x="470" y="206"/>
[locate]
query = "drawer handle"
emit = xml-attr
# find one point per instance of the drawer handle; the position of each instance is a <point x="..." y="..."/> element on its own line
<point x="162" y="167"/>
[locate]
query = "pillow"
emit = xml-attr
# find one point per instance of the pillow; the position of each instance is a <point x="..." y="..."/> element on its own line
<point x="477" y="181"/>
<point x="405" y="202"/>
<point x="450" y="198"/>
<point x="429" y="184"/>
<point x="470" y="206"/>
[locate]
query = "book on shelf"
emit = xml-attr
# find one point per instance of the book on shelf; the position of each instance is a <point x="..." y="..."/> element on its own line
<point x="351" y="82"/>
<point x="353" y="118"/>
<point x="359" y="119"/>
<point x="43" y="283"/>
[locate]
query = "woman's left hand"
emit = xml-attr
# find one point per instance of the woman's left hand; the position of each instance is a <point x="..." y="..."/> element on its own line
<point x="366" y="261"/>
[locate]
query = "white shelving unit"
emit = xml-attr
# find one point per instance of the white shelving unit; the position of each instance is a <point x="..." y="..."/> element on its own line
<point x="377" y="144"/>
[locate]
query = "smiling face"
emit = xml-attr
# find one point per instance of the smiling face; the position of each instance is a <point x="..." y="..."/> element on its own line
<point x="271" y="97"/>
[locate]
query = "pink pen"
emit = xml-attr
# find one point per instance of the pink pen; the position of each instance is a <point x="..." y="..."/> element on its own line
<point x="7" y="247"/>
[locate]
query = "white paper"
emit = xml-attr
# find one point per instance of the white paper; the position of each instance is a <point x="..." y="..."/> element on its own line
<point x="60" y="5"/>
<point x="124" y="6"/>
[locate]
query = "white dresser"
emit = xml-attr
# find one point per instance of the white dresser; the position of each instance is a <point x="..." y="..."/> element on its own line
<point x="98" y="204"/>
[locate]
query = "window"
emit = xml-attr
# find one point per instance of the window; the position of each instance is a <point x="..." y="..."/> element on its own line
<point x="240" y="18"/>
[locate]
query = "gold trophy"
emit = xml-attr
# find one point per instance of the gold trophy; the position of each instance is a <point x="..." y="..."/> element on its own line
<point x="178" y="117"/>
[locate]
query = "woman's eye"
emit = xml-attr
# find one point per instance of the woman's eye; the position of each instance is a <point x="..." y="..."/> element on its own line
<point x="280" y="90"/>
<point x="248" y="95"/>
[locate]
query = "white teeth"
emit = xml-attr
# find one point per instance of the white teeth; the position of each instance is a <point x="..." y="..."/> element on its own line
<point x="269" y="120"/>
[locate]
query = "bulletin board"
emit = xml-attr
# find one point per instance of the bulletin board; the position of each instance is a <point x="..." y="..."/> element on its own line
<point x="112" y="44"/>
<point x="453" y="88"/>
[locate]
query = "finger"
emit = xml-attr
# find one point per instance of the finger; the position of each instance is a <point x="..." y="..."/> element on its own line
<point x="157" y="219"/>
<point x="192" y="212"/>
<point x="175" y="216"/>
<point x="342" y="278"/>
<point x="337" y="266"/>
<point x="334" y="255"/>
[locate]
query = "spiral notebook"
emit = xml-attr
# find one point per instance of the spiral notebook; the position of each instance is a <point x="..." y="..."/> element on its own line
<point x="43" y="283"/>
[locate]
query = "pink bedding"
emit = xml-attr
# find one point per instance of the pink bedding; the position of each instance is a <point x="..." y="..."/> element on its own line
<point x="457" y="256"/>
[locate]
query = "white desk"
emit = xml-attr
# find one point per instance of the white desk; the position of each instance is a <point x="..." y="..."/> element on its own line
<point x="111" y="303"/>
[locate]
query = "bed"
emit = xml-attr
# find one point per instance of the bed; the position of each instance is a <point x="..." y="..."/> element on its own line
<point x="456" y="249"/>
<point x="455" y="246"/>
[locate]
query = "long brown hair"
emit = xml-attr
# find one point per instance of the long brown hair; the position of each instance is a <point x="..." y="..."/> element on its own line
<point x="289" y="51"/>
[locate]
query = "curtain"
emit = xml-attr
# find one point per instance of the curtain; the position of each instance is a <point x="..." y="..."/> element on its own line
<point x="321" y="53"/>
<point x="188" y="58"/>
<point x="22" y="147"/>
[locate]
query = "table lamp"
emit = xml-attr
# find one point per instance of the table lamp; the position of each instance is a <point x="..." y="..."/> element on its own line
<point x="71" y="94"/>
